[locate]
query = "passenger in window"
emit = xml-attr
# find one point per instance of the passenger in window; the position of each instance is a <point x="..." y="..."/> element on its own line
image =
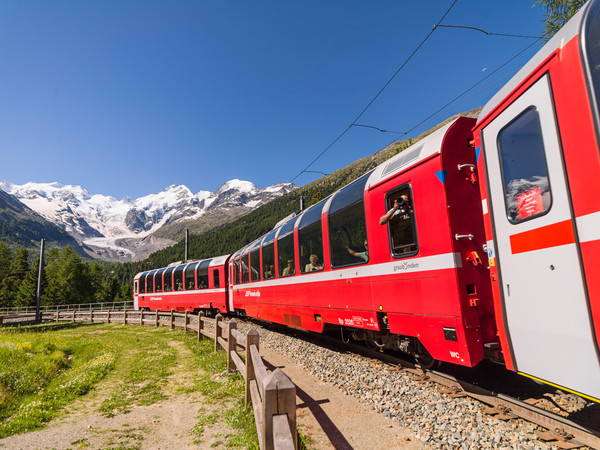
<point x="401" y="207"/>
<point x="314" y="264"/>
<point x="363" y="255"/>
<point x="289" y="270"/>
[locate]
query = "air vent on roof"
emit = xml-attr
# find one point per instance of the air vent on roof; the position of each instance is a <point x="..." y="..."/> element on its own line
<point x="405" y="158"/>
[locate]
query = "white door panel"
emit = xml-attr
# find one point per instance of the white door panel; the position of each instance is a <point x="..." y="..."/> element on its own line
<point x="544" y="295"/>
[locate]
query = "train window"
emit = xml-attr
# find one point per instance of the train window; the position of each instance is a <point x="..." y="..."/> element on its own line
<point x="310" y="239"/>
<point x="268" y="256"/>
<point x="190" y="277"/>
<point x="286" y="256"/>
<point x="168" y="277"/>
<point x="244" y="265"/>
<point x="401" y="224"/>
<point x="142" y="288"/>
<point x="236" y="270"/>
<point x="135" y="286"/>
<point x="203" y="274"/>
<point x="216" y="282"/>
<point x="178" y="278"/>
<point x="158" y="280"/>
<point x="255" y="262"/>
<point x="526" y="185"/>
<point x="150" y="282"/>
<point x="347" y="226"/>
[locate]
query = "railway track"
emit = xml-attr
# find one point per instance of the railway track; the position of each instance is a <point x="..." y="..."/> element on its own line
<point x="508" y="395"/>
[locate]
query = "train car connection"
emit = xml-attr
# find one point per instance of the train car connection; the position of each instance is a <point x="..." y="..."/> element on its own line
<point x="195" y="286"/>
<point x="537" y="139"/>
<point x="418" y="282"/>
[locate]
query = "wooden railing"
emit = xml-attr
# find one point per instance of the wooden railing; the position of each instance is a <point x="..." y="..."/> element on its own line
<point x="273" y="395"/>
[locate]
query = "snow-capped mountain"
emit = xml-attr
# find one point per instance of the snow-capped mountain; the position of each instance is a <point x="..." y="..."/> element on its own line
<point x="114" y="228"/>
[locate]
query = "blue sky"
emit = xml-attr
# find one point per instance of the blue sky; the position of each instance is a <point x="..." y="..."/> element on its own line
<point x="127" y="97"/>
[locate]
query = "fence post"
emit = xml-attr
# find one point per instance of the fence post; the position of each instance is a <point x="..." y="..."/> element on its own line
<point x="108" y="316"/>
<point x="231" y="345"/>
<point x="73" y="317"/>
<point x="172" y="319"/>
<point x="91" y="316"/>
<point x="252" y="338"/>
<point x="157" y="319"/>
<point x="125" y="317"/>
<point x="218" y="320"/>
<point x="57" y="315"/>
<point x="200" y="325"/>
<point x="280" y="398"/>
<point x="187" y="319"/>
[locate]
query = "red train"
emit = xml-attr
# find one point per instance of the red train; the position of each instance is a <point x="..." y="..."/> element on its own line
<point x="482" y="240"/>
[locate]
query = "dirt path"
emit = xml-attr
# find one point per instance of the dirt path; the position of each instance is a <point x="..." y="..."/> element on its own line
<point x="330" y="418"/>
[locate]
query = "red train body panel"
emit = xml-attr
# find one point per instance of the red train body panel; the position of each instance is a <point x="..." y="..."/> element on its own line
<point x="481" y="240"/>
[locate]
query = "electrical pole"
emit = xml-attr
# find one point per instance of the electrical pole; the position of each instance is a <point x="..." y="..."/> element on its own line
<point x="38" y="295"/>
<point x="187" y="236"/>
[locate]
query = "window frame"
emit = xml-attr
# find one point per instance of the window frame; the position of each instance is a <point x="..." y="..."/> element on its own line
<point x="387" y="196"/>
<point x="501" y="164"/>
<point x="286" y="235"/>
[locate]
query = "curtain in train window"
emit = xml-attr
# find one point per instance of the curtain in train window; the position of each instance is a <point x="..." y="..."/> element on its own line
<point x="190" y="277"/>
<point x="347" y="226"/>
<point x="268" y="256"/>
<point x="203" y="274"/>
<point x="286" y="256"/>
<point x="310" y="239"/>
<point x="255" y="262"/>
<point x="402" y="225"/>
<point x="527" y="191"/>
<point x="178" y="276"/>
<point x="169" y="280"/>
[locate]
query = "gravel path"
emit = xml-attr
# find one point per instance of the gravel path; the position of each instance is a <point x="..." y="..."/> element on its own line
<point x="435" y="418"/>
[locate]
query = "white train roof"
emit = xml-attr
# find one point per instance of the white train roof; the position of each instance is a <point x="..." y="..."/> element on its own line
<point x="414" y="154"/>
<point x="564" y="35"/>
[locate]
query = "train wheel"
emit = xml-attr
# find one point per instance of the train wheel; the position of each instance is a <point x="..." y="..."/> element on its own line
<point x="425" y="359"/>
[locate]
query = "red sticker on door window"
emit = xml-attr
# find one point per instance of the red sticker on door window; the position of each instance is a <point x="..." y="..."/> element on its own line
<point x="529" y="203"/>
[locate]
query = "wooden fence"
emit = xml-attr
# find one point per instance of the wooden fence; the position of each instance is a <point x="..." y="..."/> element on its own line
<point x="273" y="395"/>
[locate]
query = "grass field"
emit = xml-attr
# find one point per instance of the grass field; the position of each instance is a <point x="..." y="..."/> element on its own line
<point x="45" y="369"/>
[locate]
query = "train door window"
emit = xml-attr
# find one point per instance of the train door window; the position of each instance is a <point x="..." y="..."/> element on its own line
<point x="142" y="288"/>
<point x="268" y="256"/>
<point x="203" y="274"/>
<point x="286" y="256"/>
<point x="310" y="239"/>
<point x="347" y="226"/>
<point x="178" y="278"/>
<point x="168" y="277"/>
<point x="245" y="272"/>
<point x="401" y="224"/>
<point x="190" y="277"/>
<point x="526" y="185"/>
<point x="158" y="280"/>
<point x="216" y="281"/>
<point x="255" y="262"/>
<point x="135" y="286"/>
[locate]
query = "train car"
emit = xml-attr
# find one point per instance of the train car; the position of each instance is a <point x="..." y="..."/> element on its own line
<point x="537" y="144"/>
<point x="195" y="286"/>
<point x="394" y="258"/>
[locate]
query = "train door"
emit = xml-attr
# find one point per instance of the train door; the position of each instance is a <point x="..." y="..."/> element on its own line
<point x="543" y="291"/>
<point x="230" y="282"/>
<point x="135" y="294"/>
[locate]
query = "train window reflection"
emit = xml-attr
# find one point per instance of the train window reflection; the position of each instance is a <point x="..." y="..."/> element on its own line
<point x="190" y="277"/>
<point x="255" y="262"/>
<point x="158" y="280"/>
<point x="203" y="274"/>
<point x="244" y="266"/>
<point x="286" y="255"/>
<point x="347" y="226"/>
<point x="168" y="280"/>
<point x="178" y="277"/>
<point x="310" y="239"/>
<point x="527" y="191"/>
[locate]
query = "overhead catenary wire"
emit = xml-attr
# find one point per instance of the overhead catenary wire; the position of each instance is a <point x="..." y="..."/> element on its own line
<point x="376" y="95"/>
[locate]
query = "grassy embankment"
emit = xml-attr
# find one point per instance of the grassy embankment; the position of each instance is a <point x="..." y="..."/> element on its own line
<point x="44" y="369"/>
